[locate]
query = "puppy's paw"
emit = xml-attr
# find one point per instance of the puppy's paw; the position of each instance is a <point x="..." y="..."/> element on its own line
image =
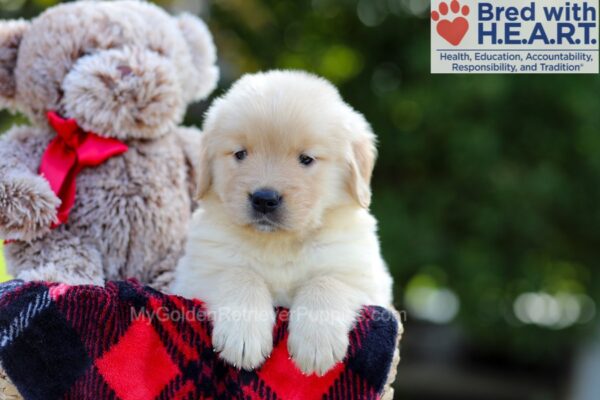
<point x="317" y="346"/>
<point x="244" y="342"/>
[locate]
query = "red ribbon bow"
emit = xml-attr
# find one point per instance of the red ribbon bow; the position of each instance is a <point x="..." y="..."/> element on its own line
<point x="68" y="153"/>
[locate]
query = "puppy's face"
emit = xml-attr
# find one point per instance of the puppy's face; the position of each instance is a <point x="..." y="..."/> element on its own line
<point x="273" y="179"/>
<point x="282" y="148"/>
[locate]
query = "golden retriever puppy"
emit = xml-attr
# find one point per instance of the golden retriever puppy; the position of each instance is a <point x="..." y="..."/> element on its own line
<point x="284" y="221"/>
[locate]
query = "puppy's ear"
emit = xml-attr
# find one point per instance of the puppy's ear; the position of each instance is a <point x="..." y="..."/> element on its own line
<point x="11" y="33"/>
<point x="204" y="56"/>
<point x="204" y="175"/>
<point x="362" y="161"/>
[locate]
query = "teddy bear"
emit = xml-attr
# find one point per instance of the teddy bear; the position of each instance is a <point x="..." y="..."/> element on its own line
<point x="100" y="185"/>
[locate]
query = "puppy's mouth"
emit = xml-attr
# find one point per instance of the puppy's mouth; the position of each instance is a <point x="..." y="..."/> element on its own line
<point x="266" y="224"/>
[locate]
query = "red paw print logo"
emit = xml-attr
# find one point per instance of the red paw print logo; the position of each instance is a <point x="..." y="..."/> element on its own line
<point x="453" y="30"/>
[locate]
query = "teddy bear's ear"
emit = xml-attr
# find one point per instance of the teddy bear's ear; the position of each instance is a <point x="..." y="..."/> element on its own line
<point x="11" y="33"/>
<point x="204" y="56"/>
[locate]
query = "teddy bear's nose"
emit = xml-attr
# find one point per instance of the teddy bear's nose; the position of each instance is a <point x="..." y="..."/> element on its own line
<point x="125" y="70"/>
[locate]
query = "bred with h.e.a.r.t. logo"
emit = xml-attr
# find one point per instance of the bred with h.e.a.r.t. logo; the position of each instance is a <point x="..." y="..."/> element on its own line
<point x="512" y="36"/>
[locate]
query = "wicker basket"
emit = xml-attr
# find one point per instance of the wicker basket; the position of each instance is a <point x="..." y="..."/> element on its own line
<point x="8" y="391"/>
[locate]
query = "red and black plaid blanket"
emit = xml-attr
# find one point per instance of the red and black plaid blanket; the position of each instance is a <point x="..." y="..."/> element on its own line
<point x="129" y="342"/>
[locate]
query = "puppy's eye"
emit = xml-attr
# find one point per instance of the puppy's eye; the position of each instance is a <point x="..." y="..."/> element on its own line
<point x="305" y="160"/>
<point x="240" y="155"/>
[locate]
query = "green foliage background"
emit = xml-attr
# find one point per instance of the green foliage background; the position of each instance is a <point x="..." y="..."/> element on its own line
<point x="488" y="185"/>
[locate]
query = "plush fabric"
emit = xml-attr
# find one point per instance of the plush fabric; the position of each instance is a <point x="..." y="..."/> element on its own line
<point x="126" y="71"/>
<point x="129" y="342"/>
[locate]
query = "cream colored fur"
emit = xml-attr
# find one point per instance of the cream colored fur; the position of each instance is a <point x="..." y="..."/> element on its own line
<point x="322" y="259"/>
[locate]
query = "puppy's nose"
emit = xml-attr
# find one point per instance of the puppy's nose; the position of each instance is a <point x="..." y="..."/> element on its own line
<point x="265" y="200"/>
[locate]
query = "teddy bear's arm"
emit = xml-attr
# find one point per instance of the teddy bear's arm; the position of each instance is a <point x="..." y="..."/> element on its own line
<point x="190" y="142"/>
<point x="27" y="203"/>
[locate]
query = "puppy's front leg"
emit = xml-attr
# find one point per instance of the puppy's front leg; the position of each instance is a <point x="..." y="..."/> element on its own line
<point x="322" y="314"/>
<point x="243" y="318"/>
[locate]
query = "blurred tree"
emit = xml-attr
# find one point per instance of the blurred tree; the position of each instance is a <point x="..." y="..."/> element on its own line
<point x="487" y="185"/>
